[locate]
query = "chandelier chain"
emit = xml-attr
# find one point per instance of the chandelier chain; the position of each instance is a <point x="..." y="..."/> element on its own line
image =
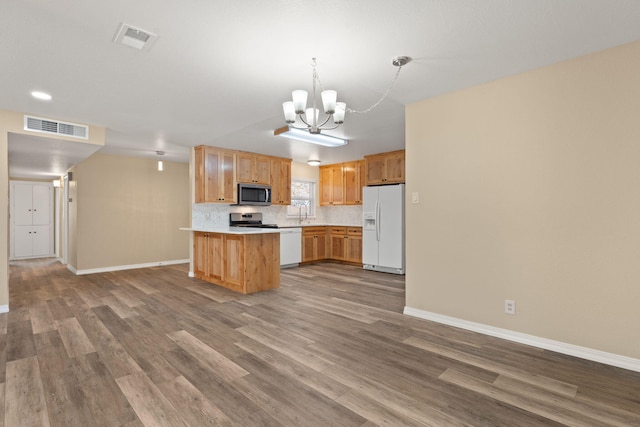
<point x="350" y="110"/>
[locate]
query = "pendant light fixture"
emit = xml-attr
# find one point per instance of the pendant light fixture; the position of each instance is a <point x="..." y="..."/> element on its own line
<point x="160" y="163"/>
<point x="297" y="111"/>
<point x="304" y="124"/>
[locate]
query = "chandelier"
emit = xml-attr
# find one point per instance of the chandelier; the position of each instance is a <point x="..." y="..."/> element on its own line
<point x="297" y="108"/>
<point x="304" y="123"/>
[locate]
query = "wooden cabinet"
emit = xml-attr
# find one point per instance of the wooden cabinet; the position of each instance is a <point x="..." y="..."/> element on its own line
<point x="314" y="243"/>
<point x="215" y="175"/>
<point x="280" y="181"/>
<point x="385" y="168"/>
<point x="245" y="263"/>
<point x="253" y="168"/>
<point x="354" y="179"/>
<point x="331" y="185"/>
<point x="341" y="184"/>
<point x="353" y="245"/>
<point x="346" y="244"/>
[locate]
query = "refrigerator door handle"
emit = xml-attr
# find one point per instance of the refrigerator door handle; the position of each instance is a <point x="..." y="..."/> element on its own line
<point x="378" y="220"/>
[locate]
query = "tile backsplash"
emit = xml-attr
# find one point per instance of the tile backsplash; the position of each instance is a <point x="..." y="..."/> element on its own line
<point x="213" y="215"/>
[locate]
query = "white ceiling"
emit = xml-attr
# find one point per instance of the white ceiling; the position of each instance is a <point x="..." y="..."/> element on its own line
<point x="219" y="70"/>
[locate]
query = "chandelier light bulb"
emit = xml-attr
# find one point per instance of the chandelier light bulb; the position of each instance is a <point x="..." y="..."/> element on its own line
<point x="329" y="98"/>
<point x="299" y="100"/>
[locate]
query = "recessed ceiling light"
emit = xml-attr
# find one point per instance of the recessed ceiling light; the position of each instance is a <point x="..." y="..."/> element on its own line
<point x="41" y="95"/>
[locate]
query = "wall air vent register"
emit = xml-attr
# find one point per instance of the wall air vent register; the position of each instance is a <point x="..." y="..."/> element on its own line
<point x="54" y="127"/>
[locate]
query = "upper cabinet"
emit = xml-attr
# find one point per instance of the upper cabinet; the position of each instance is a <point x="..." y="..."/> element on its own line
<point x="385" y="168"/>
<point x="253" y="168"/>
<point x="218" y="171"/>
<point x="215" y="175"/>
<point x="341" y="184"/>
<point x="280" y="181"/>
<point x="354" y="180"/>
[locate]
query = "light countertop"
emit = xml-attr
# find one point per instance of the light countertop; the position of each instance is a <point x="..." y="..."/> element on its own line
<point x="233" y="230"/>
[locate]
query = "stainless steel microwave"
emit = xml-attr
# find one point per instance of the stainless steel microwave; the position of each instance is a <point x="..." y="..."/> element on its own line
<point x="254" y="194"/>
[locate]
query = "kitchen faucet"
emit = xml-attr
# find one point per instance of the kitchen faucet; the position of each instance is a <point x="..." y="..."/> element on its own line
<point x="306" y="213"/>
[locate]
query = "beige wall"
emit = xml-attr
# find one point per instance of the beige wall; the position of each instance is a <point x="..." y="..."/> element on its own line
<point x="127" y="212"/>
<point x="530" y="190"/>
<point x="13" y="122"/>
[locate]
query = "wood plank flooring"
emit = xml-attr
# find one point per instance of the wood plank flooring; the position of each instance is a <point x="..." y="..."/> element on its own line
<point x="152" y="347"/>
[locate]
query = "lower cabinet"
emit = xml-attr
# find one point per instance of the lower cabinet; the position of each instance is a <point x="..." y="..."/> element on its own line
<point x="346" y="244"/>
<point x="333" y="243"/>
<point x="245" y="263"/>
<point x="314" y="243"/>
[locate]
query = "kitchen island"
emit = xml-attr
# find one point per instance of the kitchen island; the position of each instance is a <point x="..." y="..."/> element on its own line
<point x="243" y="260"/>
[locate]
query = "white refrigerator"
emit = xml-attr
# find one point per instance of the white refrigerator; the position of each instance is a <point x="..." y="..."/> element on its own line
<point x="383" y="228"/>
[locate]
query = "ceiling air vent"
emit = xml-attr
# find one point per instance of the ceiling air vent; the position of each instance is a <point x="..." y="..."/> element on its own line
<point x="53" y="127"/>
<point x="134" y="37"/>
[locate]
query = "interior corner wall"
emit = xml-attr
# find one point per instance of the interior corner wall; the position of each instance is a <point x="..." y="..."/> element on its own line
<point x="4" y="216"/>
<point x="529" y="190"/>
<point x="129" y="213"/>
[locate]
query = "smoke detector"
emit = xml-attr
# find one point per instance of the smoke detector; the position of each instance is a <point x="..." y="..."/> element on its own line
<point x="134" y="37"/>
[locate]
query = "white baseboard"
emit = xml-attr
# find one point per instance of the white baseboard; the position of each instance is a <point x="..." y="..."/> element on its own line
<point x="547" y="344"/>
<point x="126" y="267"/>
<point x="4" y="308"/>
<point x="72" y="269"/>
<point x="191" y="274"/>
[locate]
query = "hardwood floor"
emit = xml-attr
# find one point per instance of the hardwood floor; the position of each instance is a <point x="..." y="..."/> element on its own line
<point x="152" y="347"/>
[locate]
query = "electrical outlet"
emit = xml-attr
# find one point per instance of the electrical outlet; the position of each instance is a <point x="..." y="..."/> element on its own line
<point x="509" y="306"/>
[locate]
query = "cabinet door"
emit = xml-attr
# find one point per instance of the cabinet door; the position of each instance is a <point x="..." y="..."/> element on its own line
<point x="308" y="246"/>
<point x="337" y="246"/>
<point x="228" y="189"/>
<point x="23" y="204"/>
<point x="211" y="176"/>
<point x="254" y="169"/>
<point x="353" y="182"/>
<point x="321" y="247"/>
<point x="200" y="255"/>
<point x="22" y="241"/>
<point x="354" y="249"/>
<point x="394" y="167"/>
<point x="280" y="181"/>
<point x="375" y="170"/>
<point x="234" y="260"/>
<point x="215" y="256"/>
<point x="41" y="243"/>
<point x="337" y="185"/>
<point x="42" y="198"/>
<point x="326" y="188"/>
<point x="262" y="170"/>
<point x="245" y="167"/>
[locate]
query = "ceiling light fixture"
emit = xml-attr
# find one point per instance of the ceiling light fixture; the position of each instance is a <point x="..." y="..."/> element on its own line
<point x="313" y="162"/>
<point x="160" y="164"/>
<point x="314" y="138"/>
<point x="296" y="111"/>
<point x="41" y="95"/>
<point x="302" y="120"/>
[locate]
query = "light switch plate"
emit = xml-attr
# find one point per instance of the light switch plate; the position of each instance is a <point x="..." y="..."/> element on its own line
<point x="414" y="197"/>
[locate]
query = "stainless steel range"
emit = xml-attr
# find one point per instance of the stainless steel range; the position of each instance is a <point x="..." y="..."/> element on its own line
<point x="251" y="219"/>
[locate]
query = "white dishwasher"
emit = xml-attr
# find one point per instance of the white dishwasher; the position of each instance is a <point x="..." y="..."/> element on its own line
<point x="290" y="247"/>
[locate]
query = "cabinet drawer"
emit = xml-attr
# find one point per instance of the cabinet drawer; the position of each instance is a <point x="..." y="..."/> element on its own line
<point x="338" y="230"/>
<point x="354" y="231"/>
<point x="313" y="230"/>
